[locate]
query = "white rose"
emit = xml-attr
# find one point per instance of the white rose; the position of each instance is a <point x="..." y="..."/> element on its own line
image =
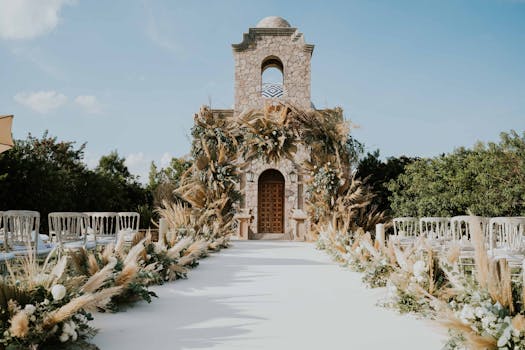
<point x="64" y="337"/>
<point x="66" y="328"/>
<point x="29" y="309"/>
<point x="58" y="291"/>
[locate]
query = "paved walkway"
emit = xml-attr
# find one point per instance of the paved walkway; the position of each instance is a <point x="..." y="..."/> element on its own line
<point x="265" y="295"/>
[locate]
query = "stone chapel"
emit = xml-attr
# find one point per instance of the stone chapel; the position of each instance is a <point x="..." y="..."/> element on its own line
<point x="273" y="194"/>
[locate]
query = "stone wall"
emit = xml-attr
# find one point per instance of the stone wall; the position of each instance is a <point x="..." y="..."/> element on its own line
<point x="288" y="45"/>
<point x="291" y="195"/>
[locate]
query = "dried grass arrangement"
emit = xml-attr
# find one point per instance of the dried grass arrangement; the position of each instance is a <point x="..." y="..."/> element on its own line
<point x="45" y="304"/>
<point x="49" y="304"/>
<point x="482" y="310"/>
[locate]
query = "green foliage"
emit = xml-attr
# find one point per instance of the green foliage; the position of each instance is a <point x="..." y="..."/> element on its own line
<point x="377" y="173"/>
<point x="48" y="175"/>
<point x="488" y="180"/>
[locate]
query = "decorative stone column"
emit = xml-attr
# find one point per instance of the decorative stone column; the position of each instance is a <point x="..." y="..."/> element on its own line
<point x="380" y="234"/>
<point x="299" y="228"/>
<point x="244" y="217"/>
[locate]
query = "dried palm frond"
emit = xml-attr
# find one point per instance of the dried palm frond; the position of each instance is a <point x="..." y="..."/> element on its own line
<point x="500" y="284"/>
<point x="99" y="278"/>
<point x="481" y="258"/>
<point x="453" y="254"/>
<point x="134" y="253"/>
<point x="85" y="301"/>
<point x="175" y="251"/>
<point x="128" y="274"/>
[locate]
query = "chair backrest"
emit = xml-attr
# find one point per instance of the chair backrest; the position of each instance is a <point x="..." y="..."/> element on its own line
<point x="21" y="228"/>
<point x="129" y="221"/>
<point x="103" y="224"/>
<point x="68" y="226"/>
<point x="461" y="227"/>
<point x="406" y="227"/>
<point x="507" y="233"/>
<point x="435" y="228"/>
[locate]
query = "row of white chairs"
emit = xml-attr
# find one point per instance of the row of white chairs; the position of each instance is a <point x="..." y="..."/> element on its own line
<point x="19" y="231"/>
<point x="504" y="236"/>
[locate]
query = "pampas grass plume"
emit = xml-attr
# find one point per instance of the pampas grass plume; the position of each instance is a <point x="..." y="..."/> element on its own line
<point x="19" y="324"/>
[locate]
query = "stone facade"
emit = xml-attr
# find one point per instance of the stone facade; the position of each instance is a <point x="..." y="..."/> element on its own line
<point x="273" y="43"/>
<point x="293" y="187"/>
<point x="260" y="44"/>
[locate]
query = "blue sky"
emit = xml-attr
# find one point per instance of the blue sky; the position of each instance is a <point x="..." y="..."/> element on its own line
<point x="418" y="77"/>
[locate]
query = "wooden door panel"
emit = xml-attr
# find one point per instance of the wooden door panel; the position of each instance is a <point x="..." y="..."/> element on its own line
<point x="271" y="207"/>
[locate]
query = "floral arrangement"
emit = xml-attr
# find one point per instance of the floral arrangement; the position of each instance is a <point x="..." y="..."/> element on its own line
<point x="482" y="310"/>
<point x="43" y="304"/>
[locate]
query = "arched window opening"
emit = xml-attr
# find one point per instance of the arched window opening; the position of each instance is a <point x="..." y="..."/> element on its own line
<point x="272" y="77"/>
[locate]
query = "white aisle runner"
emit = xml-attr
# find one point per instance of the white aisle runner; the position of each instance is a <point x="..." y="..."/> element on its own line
<point x="265" y="295"/>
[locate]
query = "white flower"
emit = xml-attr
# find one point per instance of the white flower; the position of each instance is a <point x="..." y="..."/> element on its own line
<point x="74" y="336"/>
<point x="479" y="312"/>
<point x="46" y="302"/>
<point x="67" y="328"/>
<point x="64" y="337"/>
<point x="29" y="309"/>
<point x="391" y="290"/>
<point x="505" y="337"/>
<point x="467" y="313"/>
<point x="419" y="268"/>
<point x="58" y="291"/>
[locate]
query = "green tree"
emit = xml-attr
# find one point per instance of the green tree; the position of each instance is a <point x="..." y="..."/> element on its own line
<point x="488" y="180"/>
<point x="378" y="173"/>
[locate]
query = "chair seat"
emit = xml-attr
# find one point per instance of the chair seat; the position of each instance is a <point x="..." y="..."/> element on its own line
<point x="43" y="250"/>
<point x="78" y="245"/>
<point x="7" y="256"/>
<point x="127" y="235"/>
<point x="106" y="240"/>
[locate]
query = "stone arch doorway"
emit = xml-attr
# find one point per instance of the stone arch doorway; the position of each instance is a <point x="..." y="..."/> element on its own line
<point x="270" y="202"/>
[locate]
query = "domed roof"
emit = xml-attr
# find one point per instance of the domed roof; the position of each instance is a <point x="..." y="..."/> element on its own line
<point x="273" y="22"/>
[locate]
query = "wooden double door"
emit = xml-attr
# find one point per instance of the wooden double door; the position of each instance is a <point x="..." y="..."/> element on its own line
<point x="270" y="202"/>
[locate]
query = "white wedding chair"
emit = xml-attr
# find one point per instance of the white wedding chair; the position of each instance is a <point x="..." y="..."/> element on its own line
<point x="405" y="230"/>
<point x="435" y="228"/>
<point x="69" y="230"/>
<point x="4" y="255"/>
<point x="102" y="227"/>
<point x="129" y="223"/>
<point x="507" y="239"/>
<point x="22" y="233"/>
<point x="461" y="228"/>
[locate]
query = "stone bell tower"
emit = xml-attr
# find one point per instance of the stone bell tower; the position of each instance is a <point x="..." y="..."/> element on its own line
<point x="273" y="192"/>
<point x="273" y="43"/>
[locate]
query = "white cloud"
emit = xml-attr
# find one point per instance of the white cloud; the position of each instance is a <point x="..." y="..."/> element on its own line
<point x="42" y="101"/>
<point x="26" y="19"/>
<point x="138" y="164"/>
<point x="160" y="31"/>
<point x="89" y="103"/>
<point x="165" y="160"/>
